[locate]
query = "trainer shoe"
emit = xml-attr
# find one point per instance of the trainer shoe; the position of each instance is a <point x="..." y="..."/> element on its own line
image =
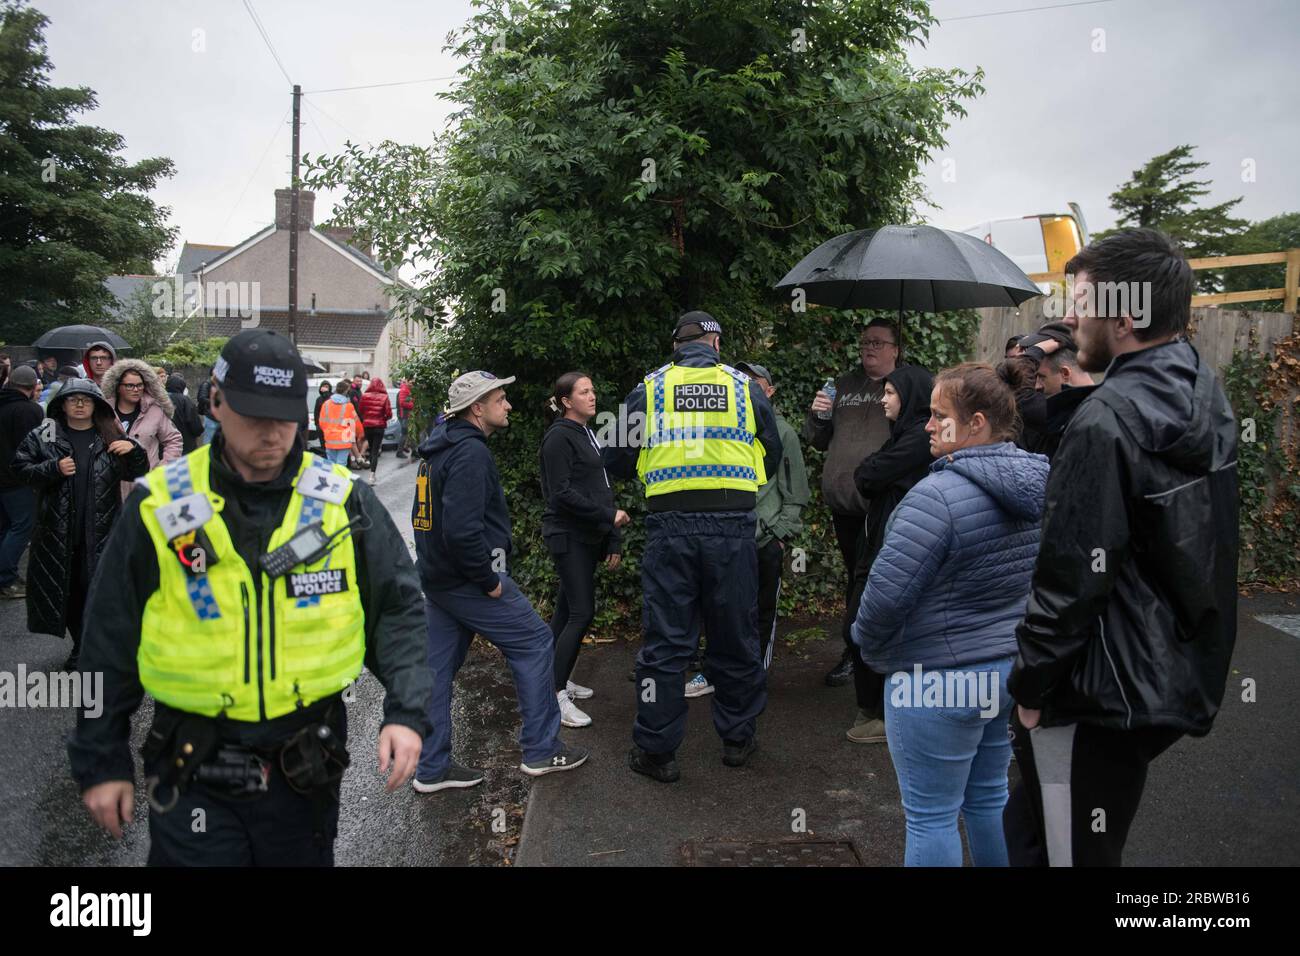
<point x="867" y="730"/>
<point x="372" y="479"/>
<point x="455" y="776"/>
<point x="570" y="715"/>
<point x="736" y="753"/>
<point x="578" y="692"/>
<point x="698" y="686"/>
<point x="566" y="758"/>
<point x="661" y="767"/>
<point x="13" y="592"/>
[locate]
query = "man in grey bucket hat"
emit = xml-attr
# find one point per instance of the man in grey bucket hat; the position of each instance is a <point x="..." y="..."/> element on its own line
<point x="462" y="544"/>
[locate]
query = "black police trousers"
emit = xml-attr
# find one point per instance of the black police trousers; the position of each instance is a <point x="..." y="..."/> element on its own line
<point x="280" y="827"/>
<point x="698" y="568"/>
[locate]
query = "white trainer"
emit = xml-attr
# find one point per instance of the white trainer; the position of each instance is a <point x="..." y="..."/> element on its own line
<point x="698" y="686"/>
<point x="570" y="715"/>
<point x="578" y="692"/>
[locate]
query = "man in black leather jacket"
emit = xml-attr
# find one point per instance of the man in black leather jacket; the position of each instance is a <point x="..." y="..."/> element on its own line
<point x="1131" y="620"/>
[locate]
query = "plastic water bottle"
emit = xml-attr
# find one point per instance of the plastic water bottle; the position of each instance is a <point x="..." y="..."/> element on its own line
<point x="829" y="389"/>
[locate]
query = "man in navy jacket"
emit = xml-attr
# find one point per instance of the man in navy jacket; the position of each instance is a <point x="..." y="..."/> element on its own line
<point x="462" y="543"/>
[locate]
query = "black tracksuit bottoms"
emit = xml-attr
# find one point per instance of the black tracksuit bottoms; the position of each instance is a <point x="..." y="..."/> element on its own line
<point x="868" y="686"/>
<point x="1079" y="791"/>
<point x="575" y="605"/>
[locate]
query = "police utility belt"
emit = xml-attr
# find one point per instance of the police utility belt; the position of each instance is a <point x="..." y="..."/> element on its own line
<point x="189" y="750"/>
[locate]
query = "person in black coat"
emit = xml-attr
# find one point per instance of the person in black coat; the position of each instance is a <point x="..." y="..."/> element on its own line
<point x="580" y="525"/>
<point x="323" y="393"/>
<point x="76" y="461"/>
<point x="185" y="413"/>
<point x="883" y="478"/>
<point x="19" y="414"/>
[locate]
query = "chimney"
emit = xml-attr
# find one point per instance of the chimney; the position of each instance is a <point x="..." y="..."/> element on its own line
<point x="284" y="206"/>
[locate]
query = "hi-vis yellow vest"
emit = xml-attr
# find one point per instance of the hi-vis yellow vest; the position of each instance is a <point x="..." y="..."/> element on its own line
<point x="206" y="646"/>
<point x="700" y="432"/>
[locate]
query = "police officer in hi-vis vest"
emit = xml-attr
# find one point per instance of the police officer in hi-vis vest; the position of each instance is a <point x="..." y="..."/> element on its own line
<point x="709" y="441"/>
<point x="243" y="587"/>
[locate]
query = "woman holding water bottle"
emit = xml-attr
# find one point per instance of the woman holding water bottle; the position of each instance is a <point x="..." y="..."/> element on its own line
<point x="847" y="421"/>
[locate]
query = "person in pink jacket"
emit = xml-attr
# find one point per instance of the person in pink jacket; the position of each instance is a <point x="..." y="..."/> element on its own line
<point x="142" y="406"/>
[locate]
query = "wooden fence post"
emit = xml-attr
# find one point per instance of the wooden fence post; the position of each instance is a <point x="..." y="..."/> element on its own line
<point x="1292" y="280"/>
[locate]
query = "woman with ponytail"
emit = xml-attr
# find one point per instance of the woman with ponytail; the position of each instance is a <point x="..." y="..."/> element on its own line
<point x="939" y="612"/>
<point x="580" y="525"/>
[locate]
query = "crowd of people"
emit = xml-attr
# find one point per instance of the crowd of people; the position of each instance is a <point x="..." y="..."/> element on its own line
<point x="1035" y="564"/>
<point x="1056" y="556"/>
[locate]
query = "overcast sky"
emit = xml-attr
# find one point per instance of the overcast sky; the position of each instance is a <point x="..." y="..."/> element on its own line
<point x="1076" y="97"/>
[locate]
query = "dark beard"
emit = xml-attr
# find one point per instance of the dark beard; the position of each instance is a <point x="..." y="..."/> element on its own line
<point x="1097" y="358"/>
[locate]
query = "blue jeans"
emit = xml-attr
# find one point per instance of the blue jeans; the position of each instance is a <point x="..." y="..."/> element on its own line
<point x="17" y="516"/>
<point x="951" y="759"/>
<point x="209" y="429"/>
<point x="338" y="456"/>
<point x="453" y="618"/>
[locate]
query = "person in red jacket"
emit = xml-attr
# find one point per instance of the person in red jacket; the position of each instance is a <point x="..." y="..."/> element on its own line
<point x="376" y="410"/>
<point x="405" y="405"/>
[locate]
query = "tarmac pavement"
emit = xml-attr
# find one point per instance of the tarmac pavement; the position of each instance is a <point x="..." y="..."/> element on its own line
<point x="1230" y="798"/>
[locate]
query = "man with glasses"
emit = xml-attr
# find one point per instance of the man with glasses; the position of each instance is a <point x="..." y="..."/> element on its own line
<point x="98" y="359"/>
<point x="856" y="428"/>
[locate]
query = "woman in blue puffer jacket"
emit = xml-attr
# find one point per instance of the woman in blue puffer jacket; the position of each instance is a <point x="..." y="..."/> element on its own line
<point x="939" y="614"/>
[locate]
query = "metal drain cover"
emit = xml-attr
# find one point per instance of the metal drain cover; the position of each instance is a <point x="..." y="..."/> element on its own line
<point x="771" y="853"/>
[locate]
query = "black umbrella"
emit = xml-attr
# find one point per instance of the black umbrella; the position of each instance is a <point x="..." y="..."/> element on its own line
<point x="908" y="268"/>
<point x="310" y="363"/>
<point x="77" y="337"/>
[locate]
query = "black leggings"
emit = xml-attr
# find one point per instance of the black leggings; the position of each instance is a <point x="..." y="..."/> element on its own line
<point x="375" y="439"/>
<point x="575" y="604"/>
<point x="78" y="591"/>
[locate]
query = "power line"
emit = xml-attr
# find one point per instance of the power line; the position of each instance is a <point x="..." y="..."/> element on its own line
<point x="372" y="86"/>
<point x="257" y="22"/>
<point x="313" y="106"/>
<point x="1002" y="13"/>
<point x="256" y="170"/>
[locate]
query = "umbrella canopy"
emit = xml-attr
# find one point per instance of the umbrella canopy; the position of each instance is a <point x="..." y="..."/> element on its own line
<point x="311" y="364"/>
<point x="77" y="337"/>
<point x="909" y="268"/>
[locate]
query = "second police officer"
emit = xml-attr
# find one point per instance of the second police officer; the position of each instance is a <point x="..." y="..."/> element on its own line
<point x="710" y="440"/>
<point x="249" y="581"/>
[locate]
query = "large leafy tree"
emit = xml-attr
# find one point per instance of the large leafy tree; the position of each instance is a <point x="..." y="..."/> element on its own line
<point x="614" y="162"/>
<point x="1163" y="195"/>
<point x="72" y="210"/>
<point x="1276" y="234"/>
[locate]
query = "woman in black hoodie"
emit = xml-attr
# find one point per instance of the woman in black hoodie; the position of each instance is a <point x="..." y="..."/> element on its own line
<point x="883" y="478"/>
<point x="580" y="525"/>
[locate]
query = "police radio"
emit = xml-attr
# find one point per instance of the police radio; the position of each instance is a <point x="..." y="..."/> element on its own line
<point x="305" y="547"/>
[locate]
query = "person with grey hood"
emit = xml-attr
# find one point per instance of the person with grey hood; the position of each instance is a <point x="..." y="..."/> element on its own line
<point x="75" y="460"/>
<point x="1128" y="634"/>
<point x="145" y="411"/>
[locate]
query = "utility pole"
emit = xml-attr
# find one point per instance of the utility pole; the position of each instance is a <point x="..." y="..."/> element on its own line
<point x="293" y="225"/>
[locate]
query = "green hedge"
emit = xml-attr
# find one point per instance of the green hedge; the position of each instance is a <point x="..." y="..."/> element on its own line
<point x="801" y="351"/>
